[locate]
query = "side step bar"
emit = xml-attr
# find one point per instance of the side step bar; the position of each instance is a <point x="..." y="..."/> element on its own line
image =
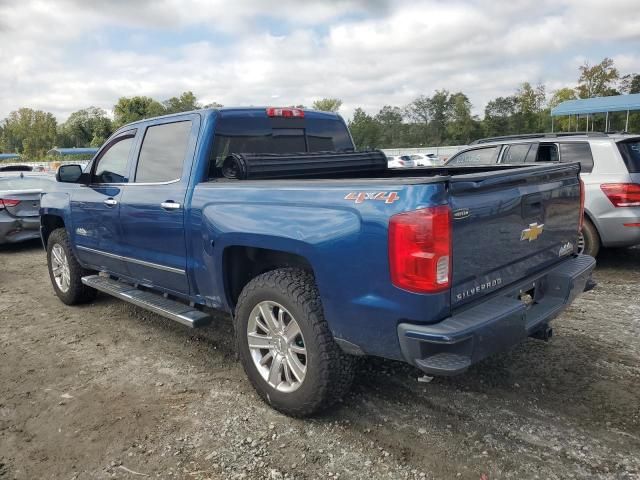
<point x="154" y="302"/>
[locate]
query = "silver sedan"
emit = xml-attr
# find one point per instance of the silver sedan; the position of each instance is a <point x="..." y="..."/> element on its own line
<point x="20" y="205"/>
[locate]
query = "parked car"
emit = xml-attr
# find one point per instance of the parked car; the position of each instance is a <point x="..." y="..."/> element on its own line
<point x="610" y="171"/>
<point x="20" y="205"/>
<point x="401" y="161"/>
<point x="426" y="159"/>
<point x="213" y="209"/>
<point x="16" y="168"/>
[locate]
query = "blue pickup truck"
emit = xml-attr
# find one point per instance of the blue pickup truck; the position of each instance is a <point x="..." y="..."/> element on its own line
<point x="438" y="267"/>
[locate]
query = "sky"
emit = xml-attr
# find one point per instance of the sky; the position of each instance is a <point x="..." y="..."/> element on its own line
<point x="69" y="54"/>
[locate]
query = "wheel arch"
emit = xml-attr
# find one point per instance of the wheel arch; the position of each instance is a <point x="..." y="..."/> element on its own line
<point x="49" y="223"/>
<point x="243" y="263"/>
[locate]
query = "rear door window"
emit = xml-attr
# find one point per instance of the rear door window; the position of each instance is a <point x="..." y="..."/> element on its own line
<point x="577" y="152"/>
<point x="630" y="152"/>
<point x="547" y="152"/>
<point x="516" y="153"/>
<point x="477" y="156"/>
<point x="163" y="152"/>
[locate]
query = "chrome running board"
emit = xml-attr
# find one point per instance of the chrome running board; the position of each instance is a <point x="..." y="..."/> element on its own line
<point x="154" y="302"/>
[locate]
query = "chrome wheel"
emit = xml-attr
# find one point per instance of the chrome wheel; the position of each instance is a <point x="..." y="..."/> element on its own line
<point x="581" y="243"/>
<point x="277" y="346"/>
<point x="60" y="268"/>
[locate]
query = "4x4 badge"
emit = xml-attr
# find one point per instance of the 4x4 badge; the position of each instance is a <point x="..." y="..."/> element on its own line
<point x="532" y="233"/>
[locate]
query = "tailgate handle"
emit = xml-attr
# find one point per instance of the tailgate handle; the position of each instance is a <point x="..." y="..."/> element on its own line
<point x="532" y="205"/>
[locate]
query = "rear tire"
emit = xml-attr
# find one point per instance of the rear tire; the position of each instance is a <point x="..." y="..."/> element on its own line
<point x="65" y="272"/>
<point x="591" y="239"/>
<point x="271" y="305"/>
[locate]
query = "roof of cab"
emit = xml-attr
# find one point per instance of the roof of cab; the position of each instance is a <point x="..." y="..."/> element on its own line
<point x="230" y="111"/>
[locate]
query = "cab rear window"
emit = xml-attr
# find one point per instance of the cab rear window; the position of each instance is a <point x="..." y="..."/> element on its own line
<point x="630" y="152"/>
<point x="263" y="135"/>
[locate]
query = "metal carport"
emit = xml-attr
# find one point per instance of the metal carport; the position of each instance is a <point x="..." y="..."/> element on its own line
<point x="64" y="152"/>
<point x="590" y="106"/>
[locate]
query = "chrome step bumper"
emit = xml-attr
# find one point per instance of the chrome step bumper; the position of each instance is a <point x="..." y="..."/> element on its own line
<point x="154" y="302"/>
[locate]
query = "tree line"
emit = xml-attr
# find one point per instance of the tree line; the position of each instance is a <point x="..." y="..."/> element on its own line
<point x="444" y="118"/>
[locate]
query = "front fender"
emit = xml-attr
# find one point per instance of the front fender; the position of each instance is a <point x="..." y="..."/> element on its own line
<point x="56" y="204"/>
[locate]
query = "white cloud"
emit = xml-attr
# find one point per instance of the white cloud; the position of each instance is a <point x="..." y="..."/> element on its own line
<point x="61" y="56"/>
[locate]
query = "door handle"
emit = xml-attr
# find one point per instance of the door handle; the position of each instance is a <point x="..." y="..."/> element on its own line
<point x="110" y="202"/>
<point x="170" y="205"/>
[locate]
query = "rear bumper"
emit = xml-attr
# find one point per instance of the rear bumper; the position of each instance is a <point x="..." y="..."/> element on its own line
<point x="451" y="346"/>
<point x="615" y="230"/>
<point x="14" y="230"/>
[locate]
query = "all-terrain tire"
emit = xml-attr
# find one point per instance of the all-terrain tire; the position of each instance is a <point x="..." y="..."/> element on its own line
<point x="329" y="371"/>
<point x="591" y="239"/>
<point x="77" y="292"/>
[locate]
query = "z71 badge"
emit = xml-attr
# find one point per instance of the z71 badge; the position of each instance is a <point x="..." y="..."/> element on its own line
<point x="386" y="197"/>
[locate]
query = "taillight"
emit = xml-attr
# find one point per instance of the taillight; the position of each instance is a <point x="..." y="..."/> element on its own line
<point x="285" y="112"/>
<point x="8" y="202"/>
<point x="420" y="249"/>
<point x="622" y="194"/>
<point x="581" y="223"/>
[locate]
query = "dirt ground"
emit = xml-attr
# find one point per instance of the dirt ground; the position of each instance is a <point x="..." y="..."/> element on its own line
<point x="108" y="390"/>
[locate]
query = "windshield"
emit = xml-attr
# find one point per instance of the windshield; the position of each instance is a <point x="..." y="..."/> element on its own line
<point x="25" y="183"/>
<point x="630" y="152"/>
<point x="260" y="135"/>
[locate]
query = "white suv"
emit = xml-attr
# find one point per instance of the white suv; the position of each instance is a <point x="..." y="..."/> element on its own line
<point x="610" y="172"/>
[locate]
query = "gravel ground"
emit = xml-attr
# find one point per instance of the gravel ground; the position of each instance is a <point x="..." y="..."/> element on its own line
<point x="108" y="390"/>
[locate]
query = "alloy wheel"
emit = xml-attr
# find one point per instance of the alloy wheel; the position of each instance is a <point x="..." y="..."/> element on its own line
<point x="60" y="268"/>
<point x="277" y="346"/>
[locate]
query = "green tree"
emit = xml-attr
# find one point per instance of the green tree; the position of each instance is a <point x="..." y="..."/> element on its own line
<point x="418" y="113"/>
<point x="498" y="116"/>
<point x="184" y="103"/>
<point x="440" y="112"/>
<point x="461" y="126"/>
<point x="213" y="105"/>
<point x="391" y="128"/>
<point x="86" y="127"/>
<point x="131" y="109"/>
<point x="530" y="102"/>
<point x="559" y="96"/>
<point x="29" y="132"/>
<point x="598" y="80"/>
<point x="327" y="104"/>
<point x="419" y="110"/>
<point x="562" y="95"/>
<point x="630" y="83"/>
<point x="365" y="130"/>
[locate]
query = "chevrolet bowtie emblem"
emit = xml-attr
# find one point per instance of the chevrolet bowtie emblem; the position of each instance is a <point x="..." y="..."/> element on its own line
<point x="532" y="233"/>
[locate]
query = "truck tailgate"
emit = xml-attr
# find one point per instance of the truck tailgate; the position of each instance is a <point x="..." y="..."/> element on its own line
<point x="510" y="224"/>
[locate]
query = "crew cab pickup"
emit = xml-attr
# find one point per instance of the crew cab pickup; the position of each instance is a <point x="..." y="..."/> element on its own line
<point x="439" y="267"/>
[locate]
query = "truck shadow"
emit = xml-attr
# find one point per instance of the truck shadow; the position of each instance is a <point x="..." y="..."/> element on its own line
<point x="568" y="376"/>
<point x="20" y="247"/>
<point x="627" y="259"/>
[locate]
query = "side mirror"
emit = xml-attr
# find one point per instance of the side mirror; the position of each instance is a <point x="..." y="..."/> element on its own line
<point x="69" y="173"/>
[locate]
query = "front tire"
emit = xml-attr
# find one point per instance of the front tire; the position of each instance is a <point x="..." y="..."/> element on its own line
<point x="285" y="345"/>
<point x="65" y="271"/>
